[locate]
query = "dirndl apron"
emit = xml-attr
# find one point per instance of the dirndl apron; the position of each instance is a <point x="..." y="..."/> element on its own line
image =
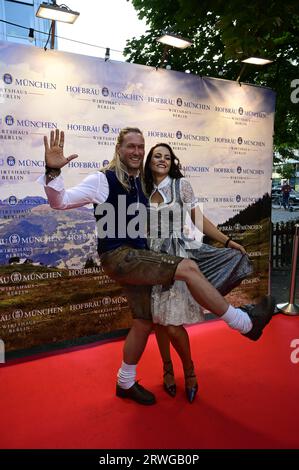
<point x="225" y="268"/>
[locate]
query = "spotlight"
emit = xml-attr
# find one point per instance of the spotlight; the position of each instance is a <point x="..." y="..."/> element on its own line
<point x="175" y="41"/>
<point x="254" y="61"/>
<point x="257" y="61"/>
<point x="57" y="12"/>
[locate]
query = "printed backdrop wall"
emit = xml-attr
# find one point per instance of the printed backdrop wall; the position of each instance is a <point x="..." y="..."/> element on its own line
<point x="52" y="287"/>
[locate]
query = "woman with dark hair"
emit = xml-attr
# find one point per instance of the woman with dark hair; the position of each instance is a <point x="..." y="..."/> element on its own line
<point x="174" y="306"/>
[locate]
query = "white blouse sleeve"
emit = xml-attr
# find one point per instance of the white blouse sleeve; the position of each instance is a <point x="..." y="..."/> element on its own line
<point x="93" y="189"/>
<point x="187" y="193"/>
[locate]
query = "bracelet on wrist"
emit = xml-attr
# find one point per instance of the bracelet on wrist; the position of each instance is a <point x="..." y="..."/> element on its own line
<point x="227" y="242"/>
<point x="52" y="173"/>
<point x="52" y="176"/>
<point x="49" y="168"/>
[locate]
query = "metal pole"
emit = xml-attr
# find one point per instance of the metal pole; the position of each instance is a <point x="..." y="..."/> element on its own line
<point x="270" y="261"/>
<point x="241" y="73"/>
<point x="164" y="56"/>
<point x="52" y="34"/>
<point x="291" y="308"/>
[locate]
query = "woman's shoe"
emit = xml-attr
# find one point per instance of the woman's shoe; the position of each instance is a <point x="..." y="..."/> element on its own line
<point x="191" y="391"/>
<point x="168" y="370"/>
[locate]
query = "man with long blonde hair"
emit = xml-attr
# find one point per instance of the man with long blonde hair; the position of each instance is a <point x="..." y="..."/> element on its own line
<point x="124" y="254"/>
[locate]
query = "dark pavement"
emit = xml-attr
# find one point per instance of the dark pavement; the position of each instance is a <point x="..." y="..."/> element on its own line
<point x="280" y="286"/>
<point x="280" y="279"/>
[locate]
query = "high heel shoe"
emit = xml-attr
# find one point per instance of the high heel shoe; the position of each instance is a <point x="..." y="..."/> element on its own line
<point x="190" y="391"/>
<point x="168" y="370"/>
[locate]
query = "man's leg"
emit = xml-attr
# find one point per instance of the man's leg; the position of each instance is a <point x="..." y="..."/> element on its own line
<point x="134" y="346"/>
<point x="250" y="324"/>
<point x="201" y="289"/>
<point x="127" y="387"/>
<point x="136" y="340"/>
<point x="142" y="267"/>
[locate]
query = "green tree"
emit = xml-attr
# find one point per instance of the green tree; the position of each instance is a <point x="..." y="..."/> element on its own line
<point x="286" y="171"/>
<point x="224" y="33"/>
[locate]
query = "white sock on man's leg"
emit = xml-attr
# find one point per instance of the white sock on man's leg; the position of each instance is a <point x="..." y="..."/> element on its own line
<point x="237" y="319"/>
<point x="126" y="375"/>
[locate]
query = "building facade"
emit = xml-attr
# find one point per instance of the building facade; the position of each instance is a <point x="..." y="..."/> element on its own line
<point x="16" y="19"/>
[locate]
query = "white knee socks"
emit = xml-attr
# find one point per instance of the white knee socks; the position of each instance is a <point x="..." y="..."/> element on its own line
<point x="126" y="375"/>
<point x="237" y="319"/>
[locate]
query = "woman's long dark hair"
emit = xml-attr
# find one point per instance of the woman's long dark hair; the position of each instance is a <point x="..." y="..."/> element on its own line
<point x="174" y="171"/>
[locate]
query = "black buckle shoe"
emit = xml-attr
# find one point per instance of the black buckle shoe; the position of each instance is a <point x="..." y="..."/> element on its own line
<point x="260" y="315"/>
<point x="136" y="393"/>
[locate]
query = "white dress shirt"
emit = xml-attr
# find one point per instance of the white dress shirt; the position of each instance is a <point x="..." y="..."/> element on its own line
<point x="93" y="189"/>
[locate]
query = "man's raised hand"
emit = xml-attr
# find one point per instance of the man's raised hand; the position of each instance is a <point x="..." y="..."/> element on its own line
<point x="54" y="152"/>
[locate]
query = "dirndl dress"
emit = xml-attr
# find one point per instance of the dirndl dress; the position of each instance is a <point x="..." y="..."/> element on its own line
<point x="225" y="268"/>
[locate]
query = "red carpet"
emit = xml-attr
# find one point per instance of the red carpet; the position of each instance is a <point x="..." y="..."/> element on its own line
<point x="248" y="397"/>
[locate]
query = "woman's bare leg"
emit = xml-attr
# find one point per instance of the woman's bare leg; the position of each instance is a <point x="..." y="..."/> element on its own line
<point x="180" y="340"/>
<point x="164" y="348"/>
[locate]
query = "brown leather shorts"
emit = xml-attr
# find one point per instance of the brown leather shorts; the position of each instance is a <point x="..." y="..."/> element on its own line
<point x="138" y="270"/>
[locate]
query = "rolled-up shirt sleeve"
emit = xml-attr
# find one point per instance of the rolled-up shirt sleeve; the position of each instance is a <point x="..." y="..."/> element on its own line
<point x="93" y="189"/>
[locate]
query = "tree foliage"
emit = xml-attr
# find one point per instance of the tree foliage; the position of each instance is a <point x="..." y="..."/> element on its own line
<point x="224" y="33"/>
<point x="286" y="171"/>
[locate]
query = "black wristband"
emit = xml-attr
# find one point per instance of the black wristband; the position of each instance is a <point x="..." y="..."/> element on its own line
<point x="48" y="168"/>
<point x="227" y="242"/>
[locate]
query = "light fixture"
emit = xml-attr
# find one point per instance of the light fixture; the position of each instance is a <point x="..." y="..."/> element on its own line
<point x="254" y="61"/>
<point x="174" y="40"/>
<point x="31" y="35"/>
<point x="257" y="61"/>
<point x="57" y="12"/>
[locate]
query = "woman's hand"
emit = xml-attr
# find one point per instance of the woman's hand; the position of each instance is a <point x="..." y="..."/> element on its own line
<point x="54" y="153"/>
<point x="236" y="246"/>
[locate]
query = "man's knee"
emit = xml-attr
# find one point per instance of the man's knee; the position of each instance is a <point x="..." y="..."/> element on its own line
<point x="186" y="269"/>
